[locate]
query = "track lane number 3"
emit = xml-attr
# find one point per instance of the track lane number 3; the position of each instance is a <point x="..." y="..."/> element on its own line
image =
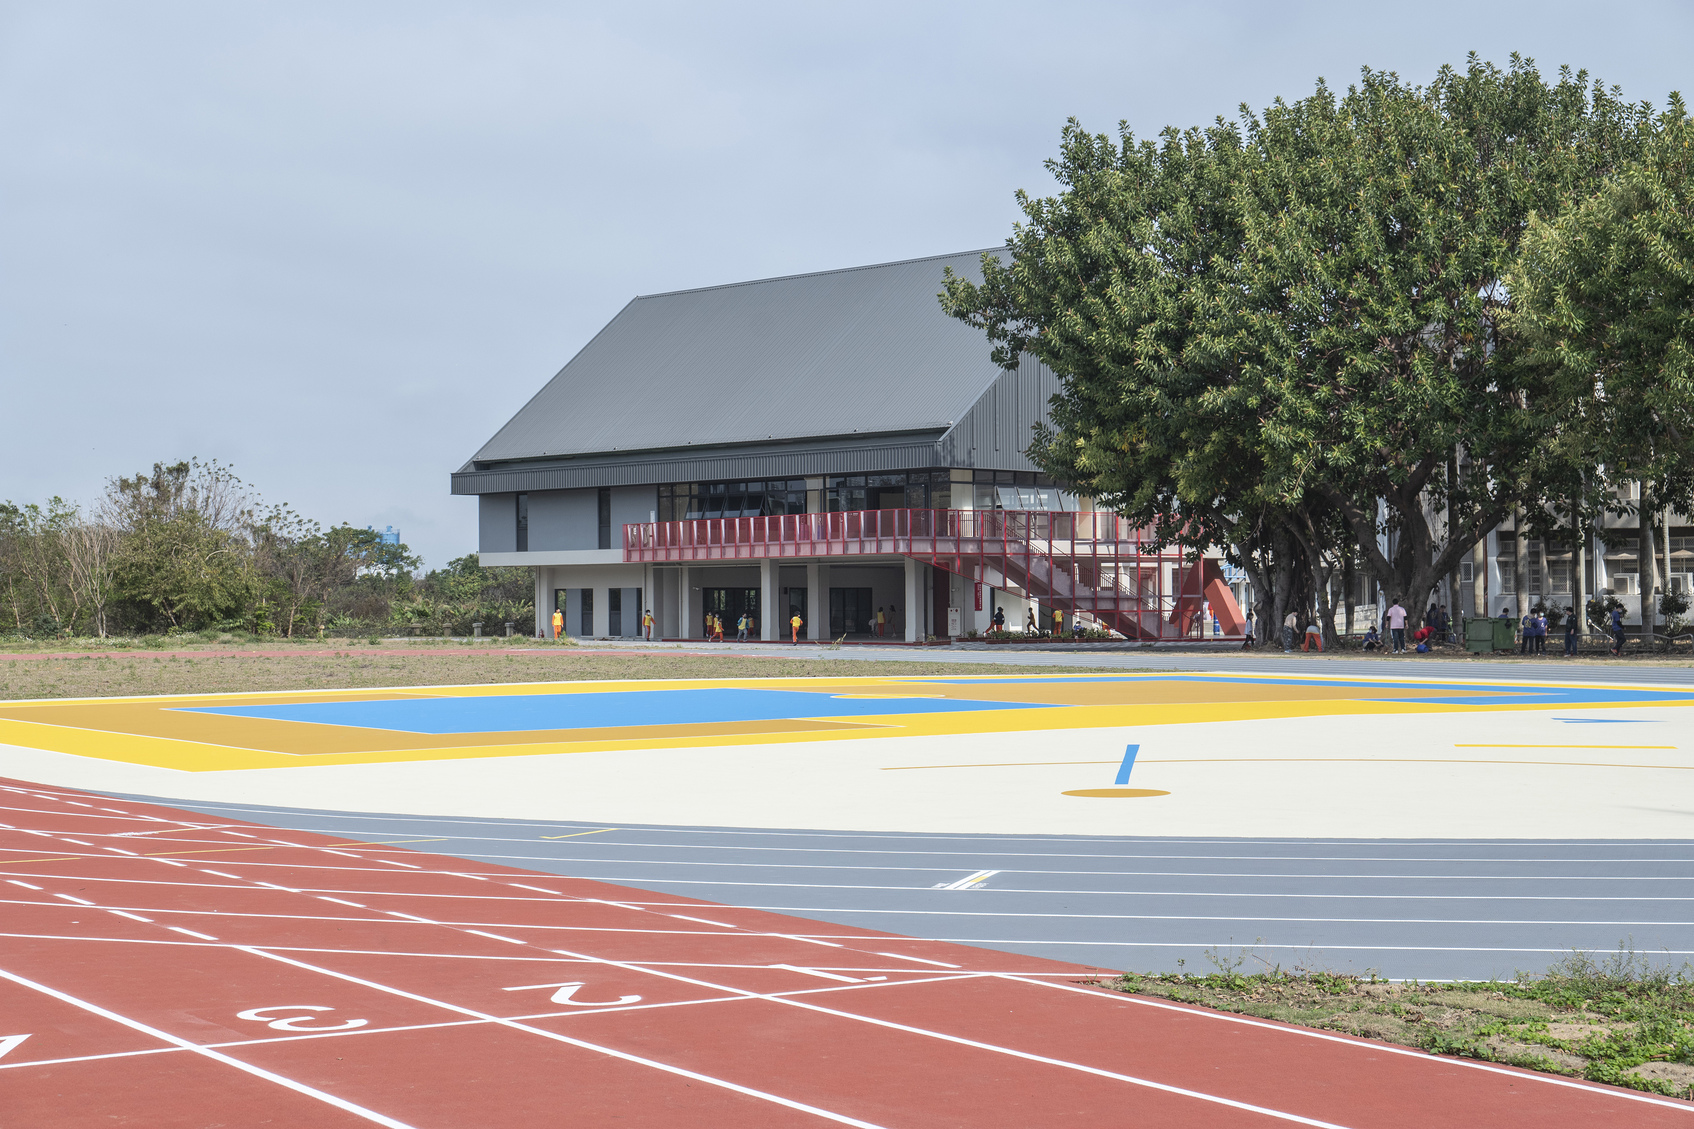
<point x="296" y="1017"/>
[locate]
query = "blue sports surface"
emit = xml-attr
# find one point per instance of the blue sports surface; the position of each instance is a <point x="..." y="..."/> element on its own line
<point x="518" y="713"/>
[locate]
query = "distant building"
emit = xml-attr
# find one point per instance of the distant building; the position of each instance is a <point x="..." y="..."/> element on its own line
<point x="829" y="445"/>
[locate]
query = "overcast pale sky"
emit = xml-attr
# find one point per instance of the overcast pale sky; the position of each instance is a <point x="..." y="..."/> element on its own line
<point x="338" y="245"/>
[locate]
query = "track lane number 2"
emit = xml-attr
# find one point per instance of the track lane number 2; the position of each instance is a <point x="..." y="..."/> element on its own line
<point x="297" y="1017"/>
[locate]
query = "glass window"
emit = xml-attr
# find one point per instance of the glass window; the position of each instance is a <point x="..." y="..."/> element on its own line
<point x="523" y="523"/>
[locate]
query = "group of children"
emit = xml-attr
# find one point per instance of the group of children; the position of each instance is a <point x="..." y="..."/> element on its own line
<point x="714" y="627"/>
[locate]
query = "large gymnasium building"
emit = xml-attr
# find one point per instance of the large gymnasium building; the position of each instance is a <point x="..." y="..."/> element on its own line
<point x="829" y="445"/>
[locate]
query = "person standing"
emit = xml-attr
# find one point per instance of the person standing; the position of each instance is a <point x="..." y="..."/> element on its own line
<point x="741" y="629"/>
<point x="1617" y="632"/>
<point x="1289" y="623"/>
<point x="1571" y="624"/>
<point x="1058" y="623"/>
<point x="558" y="622"/>
<point x="879" y="620"/>
<point x="1397" y="626"/>
<point x="1541" y="632"/>
<point x="1247" y="642"/>
<point x="1526" y="634"/>
<point x="794" y="624"/>
<point x="999" y="621"/>
<point x="647" y="624"/>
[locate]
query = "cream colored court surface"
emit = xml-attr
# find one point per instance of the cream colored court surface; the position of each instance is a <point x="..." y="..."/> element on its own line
<point x="1214" y="754"/>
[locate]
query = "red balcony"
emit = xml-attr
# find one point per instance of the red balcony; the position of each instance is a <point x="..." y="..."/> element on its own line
<point x="1092" y="564"/>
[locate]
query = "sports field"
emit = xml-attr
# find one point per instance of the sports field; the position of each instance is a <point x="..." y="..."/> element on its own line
<point x="869" y="873"/>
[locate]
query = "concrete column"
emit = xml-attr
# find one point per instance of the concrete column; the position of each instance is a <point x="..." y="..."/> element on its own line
<point x="770" y="616"/>
<point x="914" y="601"/>
<point x="543" y="602"/>
<point x="685" y="603"/>
<point x="817" y="602"/>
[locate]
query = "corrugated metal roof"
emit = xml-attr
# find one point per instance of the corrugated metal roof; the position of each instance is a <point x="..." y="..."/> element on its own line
<point x="862" y="350"/>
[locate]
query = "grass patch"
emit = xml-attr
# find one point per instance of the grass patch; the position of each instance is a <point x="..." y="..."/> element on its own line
<point x="212" y="668"/>
<point x="1619" y="1019"/>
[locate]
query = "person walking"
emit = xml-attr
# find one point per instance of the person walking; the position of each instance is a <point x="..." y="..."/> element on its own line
<point x="999" y="620"/>
<point x="717" y="628"/>
<point x="741" y="629"/>
<point x="794" y="624"/>
<point x="1058" y="623"/>
<point x="1397" y="626"/>
<point x="1571" y="624"/>
<point x="1617" y="632"/>
<point x="1247" y="641"/>
<point x="1029" y="625"/>
<point x="1526" y="634"/>
<point x="1289" y="623"/>
<point x="558" y="622"/>
<point x="1541" y="632"/>
<point x="647" y="624"/>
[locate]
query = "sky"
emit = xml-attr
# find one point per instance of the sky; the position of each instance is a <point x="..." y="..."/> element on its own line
<point x="337" y="245"/>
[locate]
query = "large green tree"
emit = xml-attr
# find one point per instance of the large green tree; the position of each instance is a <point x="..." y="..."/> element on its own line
<point x="1603" y="294"/>
<point x="1267" y="329"/>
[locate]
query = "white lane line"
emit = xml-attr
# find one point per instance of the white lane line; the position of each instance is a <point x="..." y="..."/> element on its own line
<point x="407" y="865"/>
<point x="170" y="862"/>
<point x="221" y="874"/>
<point x="216" y="1056"/>
<point x="473" y="877"/>
<point x="25" y="885"/>
<point x="131" y="916"/>
<point x="969" y="880"/>
<point x="337" y="901"/>
<point x="702" y="920"/>
<point x="920" y="960"/>
<point x="121" y="851"/>
<point x="343" y="854"/>
<point x="961" y="1041"/>
<point x="409" y="916"/>
<point x="537" y="889"/>
<point x="496" y="937"/>
<point x="841" y="1119"/>
<point x="818" y="972"/>
<point x="190" y="933"/>
<point x="73" y="898"/>
<point x="78" y="842"/>
<point x="1608" y="922"/>
<point x="1389" y="1048"/>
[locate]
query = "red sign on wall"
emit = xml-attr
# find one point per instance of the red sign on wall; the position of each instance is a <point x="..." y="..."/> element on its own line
<point x="979" y="595"/>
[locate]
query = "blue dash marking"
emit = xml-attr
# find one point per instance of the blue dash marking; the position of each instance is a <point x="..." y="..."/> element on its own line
<point x="1128" y="763"/>
<point x="1608" y="720"/>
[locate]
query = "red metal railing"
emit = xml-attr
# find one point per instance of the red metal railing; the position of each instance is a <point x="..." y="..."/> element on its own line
<point x="1093" y="564"/>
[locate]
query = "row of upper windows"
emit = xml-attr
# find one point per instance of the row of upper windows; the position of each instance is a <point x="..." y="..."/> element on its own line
<point x="938" y="489"/>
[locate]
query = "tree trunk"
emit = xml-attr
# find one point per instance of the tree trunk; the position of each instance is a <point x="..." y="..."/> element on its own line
<point x="1647" y="568"/>
<point x="1347" y="588"/>
<point x="1579" y="561"/>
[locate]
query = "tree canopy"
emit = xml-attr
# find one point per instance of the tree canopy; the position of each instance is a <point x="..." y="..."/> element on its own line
<point x="1292" y="334"/>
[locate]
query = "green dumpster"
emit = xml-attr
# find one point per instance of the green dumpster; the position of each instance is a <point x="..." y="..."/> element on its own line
<point x="1484" y="636"/>
<point x="1479" y="636"/>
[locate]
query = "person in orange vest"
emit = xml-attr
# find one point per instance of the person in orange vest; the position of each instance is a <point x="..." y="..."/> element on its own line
<point x="879" y="620"/>
<point x="795" y="622"/>
<point x="558" y="622"/>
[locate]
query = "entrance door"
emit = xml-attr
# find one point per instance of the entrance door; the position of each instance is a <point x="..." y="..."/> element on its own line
<point x="729" y="603"/>
<point x="796" y="607"/>
<point x="850" y="612"/>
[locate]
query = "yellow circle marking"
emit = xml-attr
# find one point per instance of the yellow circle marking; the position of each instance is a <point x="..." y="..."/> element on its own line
<point x="1115" y="793"/>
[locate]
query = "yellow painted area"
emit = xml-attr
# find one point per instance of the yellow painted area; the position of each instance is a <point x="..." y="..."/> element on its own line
<point x="1114" y="793"/>
<point x="156" y="731"/>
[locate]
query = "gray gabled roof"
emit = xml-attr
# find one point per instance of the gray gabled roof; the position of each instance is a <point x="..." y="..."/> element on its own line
<point x="864" y="350"/>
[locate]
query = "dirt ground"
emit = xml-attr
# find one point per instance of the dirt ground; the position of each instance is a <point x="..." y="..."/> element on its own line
<point x="211" y="668"/>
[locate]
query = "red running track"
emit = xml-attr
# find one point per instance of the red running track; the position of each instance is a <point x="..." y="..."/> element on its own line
<point x="161" y="969"/>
